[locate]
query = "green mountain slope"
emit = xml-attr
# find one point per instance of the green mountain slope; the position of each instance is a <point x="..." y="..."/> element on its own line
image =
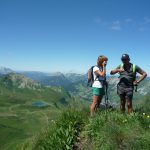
<point x="82" y="91"/>
<point x="26" y="107"/>
<point x="33" y="113"/>
<point x="110" y="129"/>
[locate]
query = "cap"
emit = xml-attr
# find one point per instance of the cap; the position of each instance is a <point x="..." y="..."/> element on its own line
<point x="125" y="57"/>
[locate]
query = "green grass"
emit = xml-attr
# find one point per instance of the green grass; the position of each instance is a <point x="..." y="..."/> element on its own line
<point x="24" y="124"/>
<point x="62" y="135"/>
<point x="24" y="127"/>
<point x="105" y="132"/>
<point x="118" y="131"/>
<point x="19" y="120"/>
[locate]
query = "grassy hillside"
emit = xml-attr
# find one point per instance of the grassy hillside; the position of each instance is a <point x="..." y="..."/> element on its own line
<point x="26" y="108"/>
<point x="110" y="129"/>
<point x="33" y="117"/>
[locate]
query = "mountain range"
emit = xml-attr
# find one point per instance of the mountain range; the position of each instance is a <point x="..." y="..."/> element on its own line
<point x="26" y="107"/>
<point x="76" y="84"/>
<point x="30" y="101"/>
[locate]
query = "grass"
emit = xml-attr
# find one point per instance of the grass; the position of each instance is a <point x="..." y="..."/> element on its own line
<point x="62" y="135"/>
<point x="23" y="124"/>
<point x="24" y="127"/>
<point x="112" y="131"/>
<point x="118" y="131"/>
<point x="19" y="120"/>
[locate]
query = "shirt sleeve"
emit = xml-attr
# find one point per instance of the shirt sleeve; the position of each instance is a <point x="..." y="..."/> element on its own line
<point x="95" y="69"/>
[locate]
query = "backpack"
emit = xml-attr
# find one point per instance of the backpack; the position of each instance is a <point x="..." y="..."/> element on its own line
<point x="91" y="77"/>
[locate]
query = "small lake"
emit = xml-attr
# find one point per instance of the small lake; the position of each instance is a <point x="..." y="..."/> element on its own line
<point x="39" y="104"/>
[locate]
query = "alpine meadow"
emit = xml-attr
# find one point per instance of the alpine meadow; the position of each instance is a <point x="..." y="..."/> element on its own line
<point x="74" y="75"/>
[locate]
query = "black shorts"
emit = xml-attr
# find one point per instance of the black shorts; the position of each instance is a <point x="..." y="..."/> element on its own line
<point x="126" y="92"/>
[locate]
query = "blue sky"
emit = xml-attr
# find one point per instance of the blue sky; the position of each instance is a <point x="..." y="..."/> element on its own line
<point x="69" y="35"/>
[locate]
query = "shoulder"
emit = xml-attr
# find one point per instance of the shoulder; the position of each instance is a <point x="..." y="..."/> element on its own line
<point x="95" y="68"/>
<point x="137" y="68"/>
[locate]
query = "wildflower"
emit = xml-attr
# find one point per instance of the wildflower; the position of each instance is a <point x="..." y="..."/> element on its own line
<point x="143" y="113"/>
<point x="148" y="116"/>
<point x="124" y="121"/>
<point x="52" y="121"/>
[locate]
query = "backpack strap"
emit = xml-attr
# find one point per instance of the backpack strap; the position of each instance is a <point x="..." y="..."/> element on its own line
<point x="98" y="76"/>
<point x="121" y="66"/>
<point x="133" y="67"/>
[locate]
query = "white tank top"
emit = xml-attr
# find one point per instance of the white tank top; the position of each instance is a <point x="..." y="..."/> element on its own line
<point x="96" y="83"/>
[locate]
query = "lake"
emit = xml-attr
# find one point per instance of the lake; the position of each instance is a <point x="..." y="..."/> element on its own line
<point x="39" y="104"/>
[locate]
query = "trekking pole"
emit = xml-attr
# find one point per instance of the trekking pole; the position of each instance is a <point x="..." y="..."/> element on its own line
<point x="106" y="96"/>
<point x="136" y="87"/>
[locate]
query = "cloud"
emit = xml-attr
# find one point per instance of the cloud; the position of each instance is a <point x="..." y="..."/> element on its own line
<point x="116" y="25"/>
<point x="126" y="23"/>
<point x="144" y="25"/>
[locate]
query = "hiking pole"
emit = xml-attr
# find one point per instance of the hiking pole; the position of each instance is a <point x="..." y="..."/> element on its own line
<point x="136" y="87"/>
<point x="106" y="96"/>
<point x="106" y="99"/>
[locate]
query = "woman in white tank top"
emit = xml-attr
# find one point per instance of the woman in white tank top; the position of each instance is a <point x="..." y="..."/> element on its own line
<point x="99" y="73"/>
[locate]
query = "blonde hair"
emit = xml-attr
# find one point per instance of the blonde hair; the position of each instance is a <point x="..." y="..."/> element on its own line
<point x="101" y="59"/>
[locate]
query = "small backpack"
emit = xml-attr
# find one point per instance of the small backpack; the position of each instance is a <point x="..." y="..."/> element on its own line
<point x="90" y="77"/>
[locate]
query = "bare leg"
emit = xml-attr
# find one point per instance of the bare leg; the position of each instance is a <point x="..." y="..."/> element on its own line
<point x="129" y="104"/>
<point x="99" y="101"/>
<point x="95" y="104"/>
<point x="122" y="103"/>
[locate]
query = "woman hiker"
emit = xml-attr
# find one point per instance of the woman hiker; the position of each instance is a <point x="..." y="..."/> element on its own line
<point x="99" y="77"/>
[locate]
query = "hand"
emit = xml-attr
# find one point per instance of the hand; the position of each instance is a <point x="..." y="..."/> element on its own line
<point x="104" y="63"/>
<point x="120" y="70"/>
<point x="135" y="82"/>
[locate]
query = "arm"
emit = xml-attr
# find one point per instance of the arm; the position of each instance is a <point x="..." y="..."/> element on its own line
<point x="114" y="71"/>
<point x="117" y="70"/>
<point x="142" y="77"/>
<point x="101" y="73"/>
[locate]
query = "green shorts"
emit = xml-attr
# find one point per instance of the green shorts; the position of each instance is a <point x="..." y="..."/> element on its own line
<point x="98" y="91"/>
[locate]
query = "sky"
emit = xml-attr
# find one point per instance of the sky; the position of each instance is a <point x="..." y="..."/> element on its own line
<point x="69" y="35"/>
